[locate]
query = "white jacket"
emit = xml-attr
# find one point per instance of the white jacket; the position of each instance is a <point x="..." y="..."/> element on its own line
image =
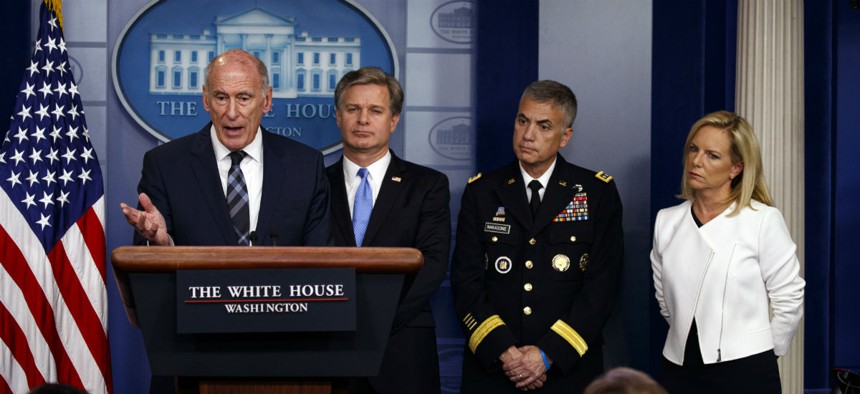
<point x="726" y="274"/>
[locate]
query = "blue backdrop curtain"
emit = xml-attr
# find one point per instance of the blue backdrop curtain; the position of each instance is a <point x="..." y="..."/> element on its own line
<point x="16" y="44"/>
<point x="506" y="62"/>
<point x="819" y="141"/>
<point x="693" y="73"/>
<point x="844" y="187"/>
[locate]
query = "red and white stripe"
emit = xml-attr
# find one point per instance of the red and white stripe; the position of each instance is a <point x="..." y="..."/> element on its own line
<point x="53" y="307"/>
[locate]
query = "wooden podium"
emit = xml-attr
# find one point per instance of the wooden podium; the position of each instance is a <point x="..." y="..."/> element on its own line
<point x="248" y="363"/>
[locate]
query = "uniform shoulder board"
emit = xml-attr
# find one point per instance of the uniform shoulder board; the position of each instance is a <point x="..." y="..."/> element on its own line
<point x="475" y="178"/>
<point x="603" y="176"/>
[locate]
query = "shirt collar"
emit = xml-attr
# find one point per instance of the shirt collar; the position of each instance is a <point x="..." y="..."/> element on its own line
<point x="254" y="149"/>
<point x="543" y="179"/>
<point x="377" y="169"/>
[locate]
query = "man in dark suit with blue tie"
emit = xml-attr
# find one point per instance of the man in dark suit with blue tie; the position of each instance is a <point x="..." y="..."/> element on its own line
<point x="380" y="200"/>
<point x="233" y="182"/>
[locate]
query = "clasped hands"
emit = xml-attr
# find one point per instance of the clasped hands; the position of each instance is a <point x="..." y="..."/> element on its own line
<point x="149" y="222"/>
<point x="524" y="366"/>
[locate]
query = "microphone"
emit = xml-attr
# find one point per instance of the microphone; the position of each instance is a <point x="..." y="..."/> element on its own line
<point x="273" y="235"/>
<point x="252" y="238"/>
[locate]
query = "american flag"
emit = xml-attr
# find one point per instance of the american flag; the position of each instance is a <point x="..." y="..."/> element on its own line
<point x="53" y="297"/>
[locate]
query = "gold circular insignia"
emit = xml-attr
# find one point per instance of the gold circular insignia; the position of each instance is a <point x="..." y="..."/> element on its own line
<point x="583" y="262"/>
<point x="503" y="265"/>
<point x="560" y="263"/>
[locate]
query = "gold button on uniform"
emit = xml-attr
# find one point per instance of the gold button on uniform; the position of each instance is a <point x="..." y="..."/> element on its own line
<point x="527" y="287"/>
<point x="494" y="239"/>
<point x="529" y="264"/>
<point x="572" y="238"/>
<point x="532" y="241"/>
<point x="527" y="311"/>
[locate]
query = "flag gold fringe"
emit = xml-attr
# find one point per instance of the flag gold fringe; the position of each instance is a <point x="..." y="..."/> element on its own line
<point x="57" y="7"/>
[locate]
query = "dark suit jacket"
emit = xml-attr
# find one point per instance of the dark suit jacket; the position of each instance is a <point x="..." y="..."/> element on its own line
<point x="411" y="211"/>
<point x="181" y="177"/>
<point x="548" y="281"/>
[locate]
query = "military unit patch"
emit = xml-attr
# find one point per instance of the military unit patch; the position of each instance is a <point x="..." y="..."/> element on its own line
<point x="500" y="215"/>
<point x="503" y="265"/>
<point x="576" y="209"/>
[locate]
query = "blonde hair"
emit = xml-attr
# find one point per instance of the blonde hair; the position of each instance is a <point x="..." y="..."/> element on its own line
<point x="749" y="184"/>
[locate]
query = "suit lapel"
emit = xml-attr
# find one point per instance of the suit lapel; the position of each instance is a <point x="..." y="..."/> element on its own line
<point x="341" y="217"/>
<point x="203" y="164"/>
<point x="721" y="232"/>
<point x="396" y="179"/>
<point x="512" y="194"/>
<point x="273" y="182"/>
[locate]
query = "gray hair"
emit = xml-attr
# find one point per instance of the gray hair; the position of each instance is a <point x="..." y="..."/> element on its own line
<point x="556" y="94"/>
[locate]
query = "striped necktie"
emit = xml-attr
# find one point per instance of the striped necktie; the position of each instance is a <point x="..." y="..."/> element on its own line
<point x="237" y="198"/>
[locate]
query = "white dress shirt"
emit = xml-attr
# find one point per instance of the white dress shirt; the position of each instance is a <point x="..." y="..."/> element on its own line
<point x="376" y="173"/>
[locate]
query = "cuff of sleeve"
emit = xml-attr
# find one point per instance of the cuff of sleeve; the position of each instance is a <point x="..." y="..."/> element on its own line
<point x="169" y="243"/>
<point x="484" y="329"/>
<point x="570" y="335"/>
<point x="488" y="340"/>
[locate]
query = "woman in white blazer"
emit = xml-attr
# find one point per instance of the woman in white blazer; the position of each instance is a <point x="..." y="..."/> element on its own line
<point x="721" y="260"/>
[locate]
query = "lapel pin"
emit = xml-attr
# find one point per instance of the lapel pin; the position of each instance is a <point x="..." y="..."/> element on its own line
<point x="562" y="183"/>
<point x="395" y="178"/>
<point x="511" y="181"/>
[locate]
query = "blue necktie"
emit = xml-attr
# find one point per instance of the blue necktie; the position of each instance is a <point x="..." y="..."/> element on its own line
<point x="237" y="198"/>
<point x="362" y="207"/>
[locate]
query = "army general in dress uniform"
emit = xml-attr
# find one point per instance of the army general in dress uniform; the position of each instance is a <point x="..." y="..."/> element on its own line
<point x="537" y="260"/>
